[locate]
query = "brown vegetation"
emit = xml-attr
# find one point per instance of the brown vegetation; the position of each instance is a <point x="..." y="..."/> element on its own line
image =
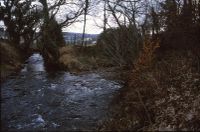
<point x="162" y="91"/>
<point x="10" y="59"/>
<point x="176" y="101"/>
<point x="76" y="59"/>
<point x="68" y="59"/>
<point x="162" y="94"/>
<point x="121" y="45"/>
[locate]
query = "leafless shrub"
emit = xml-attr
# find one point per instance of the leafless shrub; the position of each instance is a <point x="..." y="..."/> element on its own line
<point x="121" y="45"/>
<point x="162" y="95"/>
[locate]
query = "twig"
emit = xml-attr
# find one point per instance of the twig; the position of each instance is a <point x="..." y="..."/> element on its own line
<point x="141" y="101"/>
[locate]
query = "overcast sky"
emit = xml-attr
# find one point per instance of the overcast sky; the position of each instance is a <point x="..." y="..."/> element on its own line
<point x="91" y="27"/>
<point x="94" y="19"/>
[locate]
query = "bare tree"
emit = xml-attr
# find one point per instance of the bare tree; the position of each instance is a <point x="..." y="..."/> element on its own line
<point x="85" y="20"/>
<point x="125" y="41"/>
<point x="105" y="15"/>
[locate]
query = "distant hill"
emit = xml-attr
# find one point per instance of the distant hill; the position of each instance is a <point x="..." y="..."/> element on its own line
<point x="79" y="35"/>
<point x="72" y="37"/>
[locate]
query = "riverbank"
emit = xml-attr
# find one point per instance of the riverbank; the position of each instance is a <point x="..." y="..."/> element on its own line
<point x="79" y="59"/>
<point x="11" y="60"/>
<point x="162" y="96"/>
<point x="73" y="59"/>
<point x="90" y="60"/>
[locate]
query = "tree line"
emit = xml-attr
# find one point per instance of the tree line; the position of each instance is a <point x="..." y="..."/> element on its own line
<point x="30" y="20"/>
<point x="126" y="25"/>
<point x="174" y="23"/>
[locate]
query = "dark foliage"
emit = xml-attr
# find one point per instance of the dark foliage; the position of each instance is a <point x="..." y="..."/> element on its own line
<point x="182" y="25"/>
<point x="20" y="19"/>
<point x="51" y="40"/>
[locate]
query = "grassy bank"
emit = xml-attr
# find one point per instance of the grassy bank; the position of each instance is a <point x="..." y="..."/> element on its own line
<point x="11" y="59"/>
<point x="78" y="59"/>
<point x="162" y="94"/>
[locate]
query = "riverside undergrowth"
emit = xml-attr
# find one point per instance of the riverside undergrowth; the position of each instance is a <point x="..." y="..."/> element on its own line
<point x="162" y="93"/>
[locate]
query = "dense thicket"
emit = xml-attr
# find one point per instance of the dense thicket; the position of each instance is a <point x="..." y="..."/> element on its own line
<point x="20" y="19"/>
<point x="162" y="92"/>
<point x="51" y="37"/>
<point x="50" y="41"/>
<point x="181" y="29"/>
<point x="175" y="23"/>
<point x="24" y="18"/>
<point x="121" y="45"/>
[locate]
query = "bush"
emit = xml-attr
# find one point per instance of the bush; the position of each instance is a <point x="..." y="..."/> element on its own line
<point x="120" y="45"/>
<point x="162" y="94"/>
<point x="11" y="59"/>
<point x="50" y="42"/>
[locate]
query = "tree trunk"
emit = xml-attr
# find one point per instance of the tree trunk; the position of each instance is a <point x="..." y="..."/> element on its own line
<point x="84" y="25"/>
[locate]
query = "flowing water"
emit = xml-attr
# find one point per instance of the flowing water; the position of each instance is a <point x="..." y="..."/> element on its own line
<point x="37" y="100"/>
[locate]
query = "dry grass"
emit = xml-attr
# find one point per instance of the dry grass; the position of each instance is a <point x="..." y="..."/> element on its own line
<point x="70" y="62"/>
<point x="68" y="59"/>
<point x="78" y="59"/>
<point x="9" y="50"/>
<point x="66" y="50"/>
<point x="10" y="59"/>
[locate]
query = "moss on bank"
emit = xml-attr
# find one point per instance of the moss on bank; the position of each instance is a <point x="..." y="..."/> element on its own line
<point x="11" y="59"/>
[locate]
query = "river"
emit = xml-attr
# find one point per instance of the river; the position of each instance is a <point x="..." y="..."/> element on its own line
<point x="38" y="100"/>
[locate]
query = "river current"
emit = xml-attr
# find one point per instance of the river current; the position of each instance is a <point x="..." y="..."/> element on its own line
<point x="38" y="100"/>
